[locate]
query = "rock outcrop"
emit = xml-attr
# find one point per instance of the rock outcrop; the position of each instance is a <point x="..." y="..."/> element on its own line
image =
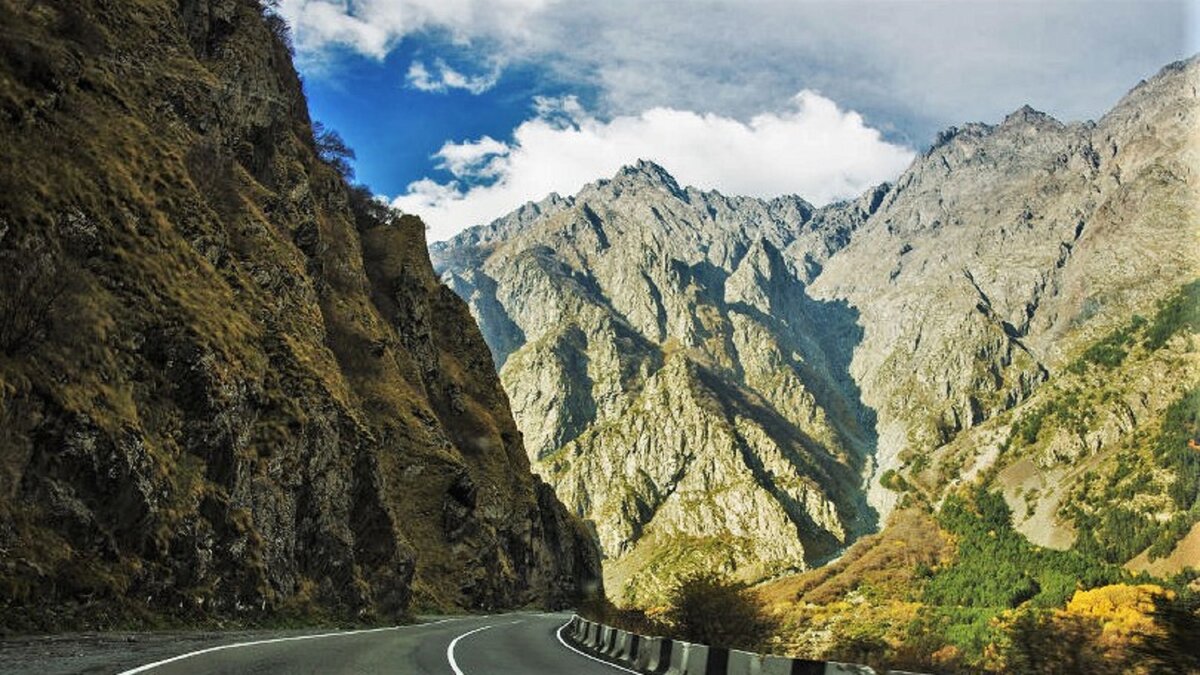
<point x="231" y="385"/>
<point x="728" y="380"/>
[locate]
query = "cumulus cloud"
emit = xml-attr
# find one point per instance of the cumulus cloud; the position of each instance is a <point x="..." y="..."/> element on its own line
<point x="812" y="148"/>
<point x="915" y="66"/>
<point x="374" y="27"/>
<point x="442" y="78"/>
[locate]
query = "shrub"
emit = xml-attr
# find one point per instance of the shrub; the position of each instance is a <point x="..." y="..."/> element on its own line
<point x="34" y="292"/>
<point x="892" y="480"/>
<point x="1040" y="641"/>
<point x="368" y="211"/>
<point x="211" y="170"/>
<point x="602" y="610"/>
<point x="708" y="608"/>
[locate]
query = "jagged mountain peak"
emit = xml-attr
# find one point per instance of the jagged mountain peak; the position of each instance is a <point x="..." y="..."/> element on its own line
<point x="635" y="178"/>
<point x="648" y="171"/>
<point x="1027" y="116"/>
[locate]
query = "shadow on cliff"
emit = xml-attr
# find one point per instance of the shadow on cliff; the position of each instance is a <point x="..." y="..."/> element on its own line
<point x="825" y="334"/>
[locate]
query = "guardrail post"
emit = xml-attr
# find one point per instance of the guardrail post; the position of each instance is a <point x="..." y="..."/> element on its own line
<point x="619" y="639"/>
<point x="593" y="635"/>
<point x="630" y="651"/>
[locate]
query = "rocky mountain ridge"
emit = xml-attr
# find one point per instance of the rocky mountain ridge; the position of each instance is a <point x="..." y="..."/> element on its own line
<point x="231" y="386"/>
<point x="727" y="380"/>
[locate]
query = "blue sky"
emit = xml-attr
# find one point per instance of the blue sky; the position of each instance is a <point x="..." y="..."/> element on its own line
<point x="460" y="110"/>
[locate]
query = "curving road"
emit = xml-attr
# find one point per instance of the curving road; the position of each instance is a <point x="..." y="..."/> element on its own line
<point x="523" y="643"/>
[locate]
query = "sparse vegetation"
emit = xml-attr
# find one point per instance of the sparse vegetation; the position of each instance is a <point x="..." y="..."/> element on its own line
<point x="1122" y="529"/>
<point x="332" y="150"/>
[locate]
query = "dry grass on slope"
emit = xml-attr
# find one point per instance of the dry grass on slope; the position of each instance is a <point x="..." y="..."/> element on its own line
<point x="887" y="564"/>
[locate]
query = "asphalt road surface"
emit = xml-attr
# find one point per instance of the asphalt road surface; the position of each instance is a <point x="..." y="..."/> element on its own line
<point x="523" y="643"/>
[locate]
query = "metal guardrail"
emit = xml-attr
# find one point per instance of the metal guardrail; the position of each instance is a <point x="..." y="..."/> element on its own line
<point x="656" y="655"/>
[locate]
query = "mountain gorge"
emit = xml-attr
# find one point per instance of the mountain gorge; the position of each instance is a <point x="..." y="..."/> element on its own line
<point x="231" y="386"/>
<point x="751" y="384"/>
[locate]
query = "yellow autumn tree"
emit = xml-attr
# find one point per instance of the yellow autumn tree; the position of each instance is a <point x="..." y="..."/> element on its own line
<point x="1124" y="610"/>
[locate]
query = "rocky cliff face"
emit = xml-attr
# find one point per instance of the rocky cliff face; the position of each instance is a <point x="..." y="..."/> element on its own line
<point x="230" y="385"/>
<point x="1004" y="250"/>
<point x="725" y="380"/>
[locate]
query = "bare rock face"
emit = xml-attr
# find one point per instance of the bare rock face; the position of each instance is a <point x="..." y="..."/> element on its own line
<point x="1005" y="250"/>
<point x="230" y="385"/>
<point x="723" y="381"/>
<point x="670" y="376"/>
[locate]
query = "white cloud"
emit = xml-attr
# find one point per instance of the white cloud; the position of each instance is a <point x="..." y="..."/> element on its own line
<point x="443" y="78"/>
<point x="812" y="148"/>
<point x="373" y="27"/>
<point x="914" y="66"/>
<point x="473" y="158"/>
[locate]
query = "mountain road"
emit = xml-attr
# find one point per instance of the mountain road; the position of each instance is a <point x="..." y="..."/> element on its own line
<point x="518" y="643"/>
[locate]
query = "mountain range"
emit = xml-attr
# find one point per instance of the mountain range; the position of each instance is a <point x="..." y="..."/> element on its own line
<point x="751" y="384"/>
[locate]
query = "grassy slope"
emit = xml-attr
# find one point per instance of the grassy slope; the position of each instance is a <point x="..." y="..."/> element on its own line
<point x="940" y="586"/>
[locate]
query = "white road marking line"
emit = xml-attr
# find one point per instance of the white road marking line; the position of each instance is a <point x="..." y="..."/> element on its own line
<point x="236" y="645"/>
<point x="564" y="643"/>
<point x="450" y="649"/>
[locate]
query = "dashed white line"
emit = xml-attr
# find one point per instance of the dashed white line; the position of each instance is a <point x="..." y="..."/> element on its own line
<point x="237" y="645"/>
<point x="585" y="655"/>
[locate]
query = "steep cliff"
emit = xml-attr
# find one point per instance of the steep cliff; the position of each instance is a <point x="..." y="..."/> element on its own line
<point x="231" y="386"/>
<point x="735" y="381"/>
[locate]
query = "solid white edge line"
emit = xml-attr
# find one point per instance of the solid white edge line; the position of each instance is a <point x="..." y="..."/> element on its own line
<point x="454" y="642"/>
<point x="236" y="645"/>
<point x="564" y="643"/>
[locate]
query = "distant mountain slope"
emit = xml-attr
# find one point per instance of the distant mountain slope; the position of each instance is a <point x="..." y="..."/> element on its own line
<point x="1004" y="250"/>
<point x="727" y="379"/>
<point x="230" y="385"/>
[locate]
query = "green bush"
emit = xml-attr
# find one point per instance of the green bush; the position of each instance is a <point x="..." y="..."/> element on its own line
<point x="1107" y="353"/>
<point x="1027" y="428"/>
<point x="892" y="480"/>
<point x="1179" y="312"/>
